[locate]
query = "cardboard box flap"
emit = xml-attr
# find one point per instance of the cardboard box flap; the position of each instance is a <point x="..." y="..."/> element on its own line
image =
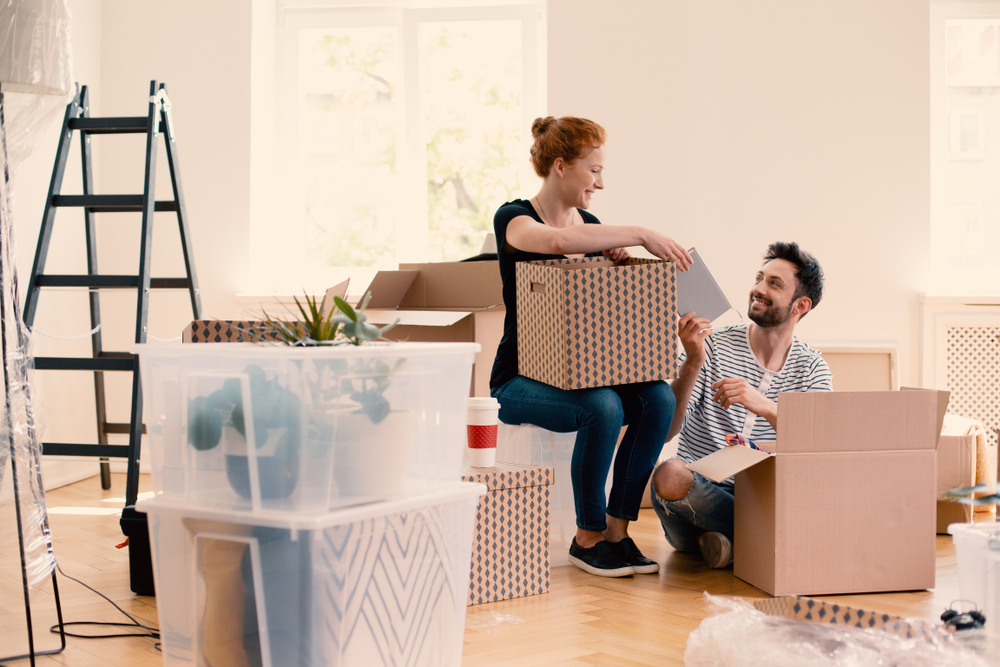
<point x="388" y="287"/>
<point x="942" y="407"/>
<point x="826" y="422"/>
<point x="470" y="285"/>
<point x="419" y="318"/>
<point x="509" y="475"/>
<point x="810" y="610"/>
<point x="726" y="462"/>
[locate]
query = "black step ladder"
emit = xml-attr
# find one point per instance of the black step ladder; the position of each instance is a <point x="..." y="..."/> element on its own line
<point x="158" y="120"/>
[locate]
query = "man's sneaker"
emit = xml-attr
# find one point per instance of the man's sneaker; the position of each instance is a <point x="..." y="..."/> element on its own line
<point x="716" y="549"/>
<point x="602" y="560"/>
<point x="631" y="555"/>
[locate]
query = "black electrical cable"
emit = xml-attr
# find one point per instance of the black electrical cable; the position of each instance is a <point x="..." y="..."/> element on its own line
<point x="151" y="632"/>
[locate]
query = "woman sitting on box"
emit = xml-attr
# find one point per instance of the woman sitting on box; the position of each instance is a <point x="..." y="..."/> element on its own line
<point x="568" y="153"/>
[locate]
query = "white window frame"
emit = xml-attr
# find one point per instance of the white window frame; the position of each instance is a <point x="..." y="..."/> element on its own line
<point x="975" y="280"/>
<point x="411" y="236"/>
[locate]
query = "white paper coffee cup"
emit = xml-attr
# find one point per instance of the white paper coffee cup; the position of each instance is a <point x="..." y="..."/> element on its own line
<point x="481" y="430"/>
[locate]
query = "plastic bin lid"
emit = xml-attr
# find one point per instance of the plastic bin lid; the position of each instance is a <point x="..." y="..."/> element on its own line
<point x="242" y="350"/>
<point x="979" y="529"/>
<point x="430" y="494"/>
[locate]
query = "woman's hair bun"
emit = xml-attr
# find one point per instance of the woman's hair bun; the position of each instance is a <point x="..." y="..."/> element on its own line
<point x="541" y="125"/>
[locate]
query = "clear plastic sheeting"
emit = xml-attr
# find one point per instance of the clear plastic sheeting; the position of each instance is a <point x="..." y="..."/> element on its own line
<point x="36" y="72"/>
<point x="22" y="469"/>
<point x="36" y="83"/>
<point x="737" y="635"/>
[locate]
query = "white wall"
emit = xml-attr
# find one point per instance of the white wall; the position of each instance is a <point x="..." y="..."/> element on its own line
<point x="64" y="402"/>
<point x="732" y="124"/>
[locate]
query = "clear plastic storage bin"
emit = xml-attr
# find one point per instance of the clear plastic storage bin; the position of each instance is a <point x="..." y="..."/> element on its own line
<point x="973" y="541"/>
<point x="272" y="427"/>
<point x="379" y="584"/>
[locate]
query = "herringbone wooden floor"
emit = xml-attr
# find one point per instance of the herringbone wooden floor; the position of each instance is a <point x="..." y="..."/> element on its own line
<point x="584" y="620"/>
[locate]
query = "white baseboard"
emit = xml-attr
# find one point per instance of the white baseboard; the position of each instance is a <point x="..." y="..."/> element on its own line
<point x="62" y="470"/>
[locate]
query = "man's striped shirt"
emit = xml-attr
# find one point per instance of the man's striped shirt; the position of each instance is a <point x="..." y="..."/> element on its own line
<point x="729" y="355"/>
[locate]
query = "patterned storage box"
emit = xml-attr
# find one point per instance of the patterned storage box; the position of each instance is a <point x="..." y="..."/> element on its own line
<point x="226" y="331"/>
<point x="591" y="323"/>
<point x="510" y="550"/>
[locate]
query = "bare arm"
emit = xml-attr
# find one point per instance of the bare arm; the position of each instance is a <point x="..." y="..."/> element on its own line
<point x="529" y="235"/>
<point x="693" y="331"/>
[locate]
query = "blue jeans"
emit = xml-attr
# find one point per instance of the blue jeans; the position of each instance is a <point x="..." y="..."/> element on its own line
<point x="597" y="416"/>
<point x="707" y="508"/>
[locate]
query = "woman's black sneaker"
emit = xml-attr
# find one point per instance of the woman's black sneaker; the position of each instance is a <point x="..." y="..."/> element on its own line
<point x="631" y="555"/>
<point x="602" y="560"/>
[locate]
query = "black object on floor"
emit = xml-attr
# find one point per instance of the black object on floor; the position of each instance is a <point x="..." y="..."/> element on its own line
<point x="140" y="562"/>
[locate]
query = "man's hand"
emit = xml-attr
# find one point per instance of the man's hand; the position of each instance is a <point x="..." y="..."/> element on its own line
<point x="693" y="331"/>
<point x="730" y="391"/>
<point x="617" y="255"/>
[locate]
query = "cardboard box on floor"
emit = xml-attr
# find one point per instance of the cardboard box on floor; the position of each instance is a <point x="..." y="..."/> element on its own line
<point x="591" y="323"/>
<point x="443" y="302"/>
<point x="846" y="503"/>
<point x="956" y="468"/>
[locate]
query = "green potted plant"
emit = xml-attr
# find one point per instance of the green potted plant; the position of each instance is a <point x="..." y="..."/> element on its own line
<point x="372" y="442"/>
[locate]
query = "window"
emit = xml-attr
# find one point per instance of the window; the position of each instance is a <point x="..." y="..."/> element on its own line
<point x="400" y="130"/>
<point x="965" y="147"/>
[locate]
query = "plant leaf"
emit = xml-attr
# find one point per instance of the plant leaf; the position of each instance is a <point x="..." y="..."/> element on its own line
<point x="969" y="490"/>
<point x="346" y="309"/>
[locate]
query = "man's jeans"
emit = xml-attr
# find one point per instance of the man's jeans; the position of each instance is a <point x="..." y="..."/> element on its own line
<point x="597" y="416"/>
<point x="707" y="508"/>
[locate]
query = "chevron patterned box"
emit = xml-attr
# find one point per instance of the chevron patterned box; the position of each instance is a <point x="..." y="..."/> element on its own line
<point x="591" y="323"/>
<point x="510" y="550"/>
<point x="377" y="584"/>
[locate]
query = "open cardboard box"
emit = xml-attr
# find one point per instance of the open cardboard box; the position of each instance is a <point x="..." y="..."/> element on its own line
<point x="956" y="468"/>
<point x="846" y="502"/>
<point x="443" y="302"/>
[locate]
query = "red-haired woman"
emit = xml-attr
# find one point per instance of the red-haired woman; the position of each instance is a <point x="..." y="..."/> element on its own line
<point x="568" y="153"/>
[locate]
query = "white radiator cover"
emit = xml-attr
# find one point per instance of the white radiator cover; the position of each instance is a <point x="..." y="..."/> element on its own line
<point x="961" y="353"/>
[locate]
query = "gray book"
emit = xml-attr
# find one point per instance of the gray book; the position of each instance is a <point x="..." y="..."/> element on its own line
<point x="698" y="291"/>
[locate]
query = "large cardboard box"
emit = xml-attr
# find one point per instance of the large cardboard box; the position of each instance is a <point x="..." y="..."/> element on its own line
<point x="956" y="467"/>
<point x="591" y="323"/>
<point x="510" y="550"/>
<point x="846" y="501"/>
<point x="444" y="302"/>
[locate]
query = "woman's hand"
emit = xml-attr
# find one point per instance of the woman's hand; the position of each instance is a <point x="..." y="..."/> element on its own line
<point x="666" y="248"/>
<point x="617" y="255"/>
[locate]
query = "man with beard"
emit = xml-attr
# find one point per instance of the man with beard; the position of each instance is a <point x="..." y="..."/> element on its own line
<point x="729" y="385"/>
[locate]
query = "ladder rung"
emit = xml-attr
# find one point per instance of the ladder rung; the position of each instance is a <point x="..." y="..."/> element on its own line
<point x="120" y="428"/>
<point x="103" y="451"/>
<point x="108" y="281"/>
<point x="109" y="203"/>
<point x="119" y="125"/>
<point x="103" y="363"/>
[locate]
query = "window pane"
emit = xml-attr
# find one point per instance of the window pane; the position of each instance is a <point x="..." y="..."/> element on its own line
<point x="471" y="84"/>
<point x="348" y="110"/>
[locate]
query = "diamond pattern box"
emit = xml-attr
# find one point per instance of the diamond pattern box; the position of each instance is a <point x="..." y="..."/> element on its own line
<point x="226" y="331"/>
<point x="591" y="323"/>
<point x="510" y="550"/>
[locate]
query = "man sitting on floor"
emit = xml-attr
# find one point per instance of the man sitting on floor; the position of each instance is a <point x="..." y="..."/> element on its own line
<point x="730" y="386"/>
